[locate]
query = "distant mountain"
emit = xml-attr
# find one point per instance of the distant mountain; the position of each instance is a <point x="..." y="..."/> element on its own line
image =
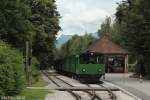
<point x="62" y="39"/>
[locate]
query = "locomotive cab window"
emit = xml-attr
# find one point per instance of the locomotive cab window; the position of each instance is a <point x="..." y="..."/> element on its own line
<point x="91" y="59"/>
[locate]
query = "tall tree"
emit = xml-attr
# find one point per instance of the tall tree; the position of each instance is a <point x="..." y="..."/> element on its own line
<point x="105" y="27"/>
<point x="15" y="27"/>
<point x="36" y="21"/>
<point x="133" y="17"/>
<point x="111" y="28"/>
<point x="45" y="18"/>
<point x="76" y="45"/>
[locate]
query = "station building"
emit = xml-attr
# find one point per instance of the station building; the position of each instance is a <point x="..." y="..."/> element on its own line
<point x="115" y="57"/>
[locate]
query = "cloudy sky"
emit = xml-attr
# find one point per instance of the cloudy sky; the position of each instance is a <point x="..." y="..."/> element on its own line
<point x="80" y="16"/>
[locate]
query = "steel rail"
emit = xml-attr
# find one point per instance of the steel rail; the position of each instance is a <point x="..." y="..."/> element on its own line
<point x="93" y="95"/>
<point x="63" y="81"/>
<point x="50" y="79"/>
<point x="111" y="94"/>
<point x="69" y="91"/>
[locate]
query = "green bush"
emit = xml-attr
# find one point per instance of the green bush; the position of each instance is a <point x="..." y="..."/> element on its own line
<point x="11" y="70"/>
<point x="34" y="70"/>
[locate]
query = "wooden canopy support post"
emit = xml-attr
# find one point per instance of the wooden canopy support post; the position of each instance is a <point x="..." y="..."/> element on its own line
<point x="97" y="59"/>
<point x="126" y="64"/>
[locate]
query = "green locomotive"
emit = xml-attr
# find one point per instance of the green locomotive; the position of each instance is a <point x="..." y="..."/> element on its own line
<point x="87" y="67"/>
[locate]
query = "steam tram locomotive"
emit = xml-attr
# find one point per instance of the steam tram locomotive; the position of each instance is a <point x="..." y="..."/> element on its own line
<point x="87" y="67"/>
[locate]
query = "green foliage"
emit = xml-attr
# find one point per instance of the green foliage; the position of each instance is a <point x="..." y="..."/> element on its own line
<point x="40" y="82"/>
<point x="35" y="74"/>
<point x="133" y="18"/>
<point x="131" y="30"/>
<point x="11" y="70"/>
<point x="111" y="28"/>
<point x="105" y="27"/>
<point x="36" y="21"/>
<point x="15" y="28"/>
<point x="45" y="18"/>
<point x="34" y="94"/>
<point x="76" y="45"/>
<point x="12" y="79"/>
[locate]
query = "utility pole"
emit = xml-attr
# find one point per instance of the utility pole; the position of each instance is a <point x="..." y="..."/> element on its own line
<point x="27" y="62"/>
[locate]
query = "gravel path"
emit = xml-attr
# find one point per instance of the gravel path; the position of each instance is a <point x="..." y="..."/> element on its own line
<point x="133" y="85"/>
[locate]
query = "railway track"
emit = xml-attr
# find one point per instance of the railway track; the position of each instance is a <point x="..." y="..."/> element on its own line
<point x="76" y="96"/>
<point x="92" y="94"/>
<point x="111" y="94"/>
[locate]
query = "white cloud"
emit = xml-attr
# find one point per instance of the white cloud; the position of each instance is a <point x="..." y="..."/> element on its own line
<point x="80" y="16"/>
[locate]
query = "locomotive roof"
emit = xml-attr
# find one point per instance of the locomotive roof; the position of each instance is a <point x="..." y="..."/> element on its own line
<point x="105" y="46"/>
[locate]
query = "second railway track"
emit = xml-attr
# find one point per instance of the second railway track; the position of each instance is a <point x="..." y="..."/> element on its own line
<point x="76" y="96"/>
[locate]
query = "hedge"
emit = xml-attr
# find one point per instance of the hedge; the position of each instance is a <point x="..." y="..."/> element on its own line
<point x="12" y="77"/>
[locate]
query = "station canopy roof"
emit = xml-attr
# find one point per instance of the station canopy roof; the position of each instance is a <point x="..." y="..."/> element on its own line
<point x="105" y="46"/>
